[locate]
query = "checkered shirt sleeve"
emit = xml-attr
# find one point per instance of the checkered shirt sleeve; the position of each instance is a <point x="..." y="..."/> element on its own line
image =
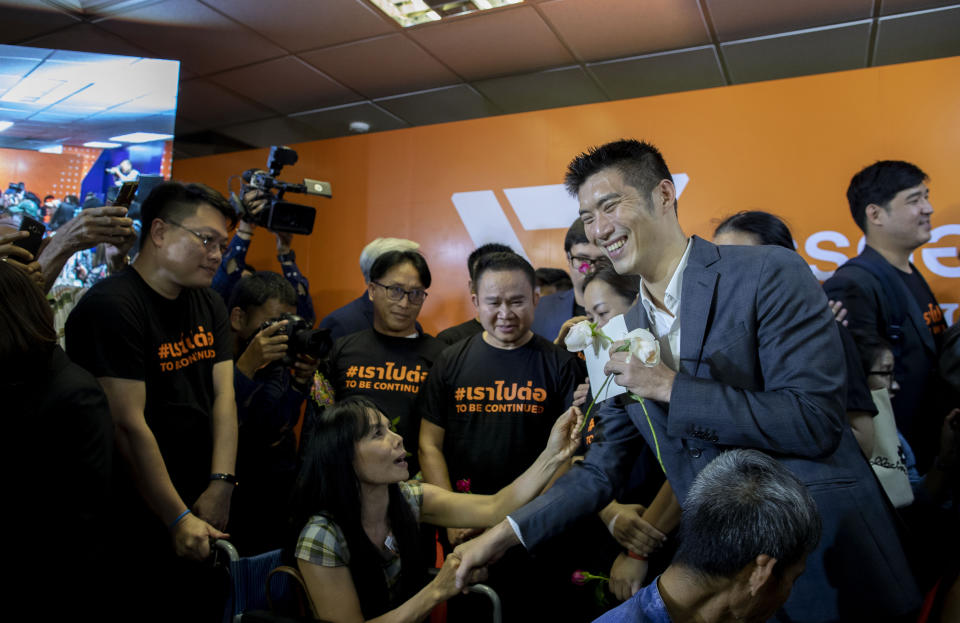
<point x="322" y="543"/>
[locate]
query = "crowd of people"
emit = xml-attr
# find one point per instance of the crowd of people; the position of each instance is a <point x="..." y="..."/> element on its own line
<point x="791" y="455"/>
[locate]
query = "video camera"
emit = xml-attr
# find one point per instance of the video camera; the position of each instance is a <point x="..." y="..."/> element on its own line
<point x="301" y="338"/>
<point x="280" y="215"/>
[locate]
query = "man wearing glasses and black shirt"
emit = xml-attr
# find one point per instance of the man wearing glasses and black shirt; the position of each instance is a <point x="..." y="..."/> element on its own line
<point x="390" y="362"/>
<point x="158" y="340"/>
<point x="555" y="309"/>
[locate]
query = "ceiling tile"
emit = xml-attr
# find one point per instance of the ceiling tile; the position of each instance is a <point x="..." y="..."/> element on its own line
<point x="889" y="7"/>
<point x="212" y="106"/>
<point x="918" y="36"/>
<point x="275" y="131"/>
<point x="802" y="53"/>
<point x="307" y="24"/>
<point x="669" y="72"/>
<point x="498" y="43"/>
<point x="383" y="66"/>
<point x="753" y="18"/>
<point x="604" y="29"/>
<point x="568" y="86"/>
<point x="454" y="103"/>
<point x="88" y="38"/>
<point x="25" y="19"/>
<point x="334" y="122"/>
<point x="286" y="84"/>
<point x="203" y="39"/>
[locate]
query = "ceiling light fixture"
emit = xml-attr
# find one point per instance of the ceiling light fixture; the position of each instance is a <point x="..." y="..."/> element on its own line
<point x="415" y="12"/>
<point x="141" y="137"/>
<point x="101" y="144"/>
<point x="5" y="124"/>
<point x="51" y="149"/>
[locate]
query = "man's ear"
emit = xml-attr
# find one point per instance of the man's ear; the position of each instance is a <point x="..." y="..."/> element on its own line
<point x="475" y="301"/>
<point x="761" y="573"/>
<point x="873" y="214"/>
<point x="536" y="295"/>
<point x="663" y="197"/>
<point x="238" y="318"/>
<point x="157" y="229"/>
<point x="370" y="288"/>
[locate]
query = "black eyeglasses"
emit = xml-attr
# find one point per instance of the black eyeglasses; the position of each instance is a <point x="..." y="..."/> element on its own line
<point x="205" y="239"/>
<point x="583" y="264"/>
<point x="396" y="293"/>
<point x="880" y="373"/>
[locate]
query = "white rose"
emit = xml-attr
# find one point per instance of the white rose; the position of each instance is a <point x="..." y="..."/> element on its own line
<point x="644" y="346"/>
<point x="579" y="337"/>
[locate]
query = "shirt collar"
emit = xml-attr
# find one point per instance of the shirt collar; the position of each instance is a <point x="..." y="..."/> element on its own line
<point x="671" y="297"/>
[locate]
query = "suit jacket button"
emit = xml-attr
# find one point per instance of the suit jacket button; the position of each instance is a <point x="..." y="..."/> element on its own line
<point x="714" y="439"/>
<point x="695" y="452"/>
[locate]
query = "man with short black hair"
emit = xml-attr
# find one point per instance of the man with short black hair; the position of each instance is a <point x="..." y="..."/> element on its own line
<point x="490" y="402"/>
<point x="748" y="525"/>
<point x="749" y="359"/>
<point x="471" y="327"/>
<point x="884" y="293"/>
<point x="555" y="309"/>
<point x="158" y="341"/>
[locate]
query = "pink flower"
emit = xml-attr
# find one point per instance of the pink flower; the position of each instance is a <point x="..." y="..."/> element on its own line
<point x="579" y="577"/>
<point x="463" y="486"/>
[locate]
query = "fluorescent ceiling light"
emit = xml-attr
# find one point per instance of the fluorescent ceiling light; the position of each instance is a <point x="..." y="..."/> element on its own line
<point x="5" y="124"/>
<point x="101" y="144"/>
<point x="141" y="137"/>
<point x="415" y="12"/>
<point x="51" y="149"/>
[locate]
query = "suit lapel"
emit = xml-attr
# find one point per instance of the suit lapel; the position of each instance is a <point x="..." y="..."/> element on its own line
<point x="696" y="303"/>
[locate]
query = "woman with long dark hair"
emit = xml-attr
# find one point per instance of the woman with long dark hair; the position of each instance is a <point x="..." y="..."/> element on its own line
<point x="357" y="546"/>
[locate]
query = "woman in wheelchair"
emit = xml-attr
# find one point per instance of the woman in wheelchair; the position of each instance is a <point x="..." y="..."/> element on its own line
<point x="357" y="550"/>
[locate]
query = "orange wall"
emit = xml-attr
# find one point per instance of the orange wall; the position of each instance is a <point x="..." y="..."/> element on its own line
<point x="43" y="174"/>
<point x="785" y="146"/>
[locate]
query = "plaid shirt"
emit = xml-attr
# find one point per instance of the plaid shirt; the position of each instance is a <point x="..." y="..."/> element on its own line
<point x="322" y="542"/>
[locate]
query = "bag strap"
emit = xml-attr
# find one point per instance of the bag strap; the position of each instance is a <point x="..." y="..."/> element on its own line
<point x="304" y="607"/>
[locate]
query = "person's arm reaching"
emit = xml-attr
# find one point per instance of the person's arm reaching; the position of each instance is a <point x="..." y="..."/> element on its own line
<point x="92" y="226"/>
<point x="136" y="443"/>
<point x="443" y="508"/>
<point x="213" y="505"/>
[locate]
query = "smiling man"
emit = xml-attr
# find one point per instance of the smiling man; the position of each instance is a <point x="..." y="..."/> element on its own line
<point x="390" y="363"/>
<point x="886" y="295"/>
<point x="750" y="354"/>
<point x="489" y="404"/>
<point x="158" y="340"/>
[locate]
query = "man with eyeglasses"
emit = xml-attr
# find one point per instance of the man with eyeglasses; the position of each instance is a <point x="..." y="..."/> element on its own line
<point x="158" y="340"/>
<point x="390" y="362"/>
<point x="555" y="309"/>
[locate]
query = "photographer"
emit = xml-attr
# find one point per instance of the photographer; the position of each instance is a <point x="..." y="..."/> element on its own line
<point x="269" y="397"/>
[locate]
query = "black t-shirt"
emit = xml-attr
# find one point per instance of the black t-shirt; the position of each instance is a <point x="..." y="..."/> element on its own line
<point x="497" y="406"/>
<point x="123" y="328"/>
<point x="460" y="332"/>
<point x="932" y="314"/>
<point x="389" y="371"/>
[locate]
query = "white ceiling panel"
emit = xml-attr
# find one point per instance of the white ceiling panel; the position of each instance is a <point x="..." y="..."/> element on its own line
<point x="918" y="36"/>
<point x="568" y="86"/>
<point x="667" y="72"/>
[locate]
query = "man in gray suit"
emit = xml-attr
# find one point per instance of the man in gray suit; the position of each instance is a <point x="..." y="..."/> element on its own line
<point x="750" y="359"/>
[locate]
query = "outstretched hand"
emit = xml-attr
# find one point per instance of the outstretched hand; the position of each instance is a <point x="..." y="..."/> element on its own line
<point x="565" y="434"/>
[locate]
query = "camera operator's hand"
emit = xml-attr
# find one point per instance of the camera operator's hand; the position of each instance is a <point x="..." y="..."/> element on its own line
<point x="284" y="240"/>
<point x="255" y="200"/>
<point x="265" y="347"/>
<point x="303" y="370"/>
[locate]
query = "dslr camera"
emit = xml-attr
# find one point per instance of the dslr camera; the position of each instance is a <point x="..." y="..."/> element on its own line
<point x="301" y="338"/>
<point x="279" y="215"/>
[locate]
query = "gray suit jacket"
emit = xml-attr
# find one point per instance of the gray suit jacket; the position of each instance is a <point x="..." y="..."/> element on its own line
<point x="761" y="366"/>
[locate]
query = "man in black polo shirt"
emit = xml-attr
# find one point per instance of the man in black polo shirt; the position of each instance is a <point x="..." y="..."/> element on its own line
<point x="157" y="339"/>
<point x="886" y="295"/>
